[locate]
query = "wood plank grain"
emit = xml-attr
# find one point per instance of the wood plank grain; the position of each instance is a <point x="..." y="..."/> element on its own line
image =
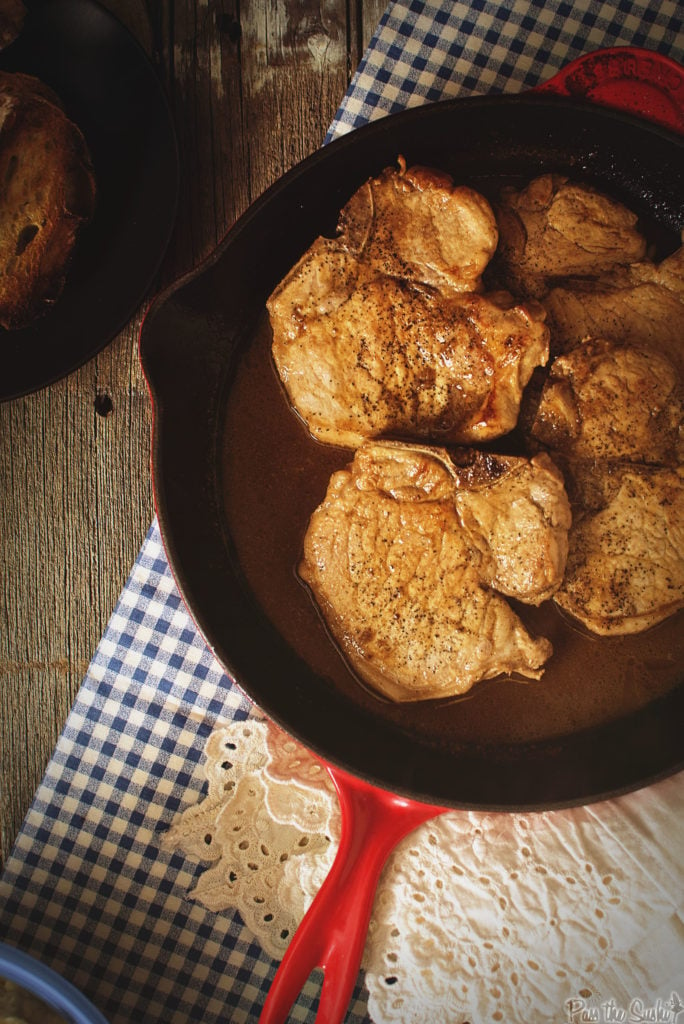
<point x="371" y="13"/>
<point x="76" y="503"/>
<point x="253" y="85"/>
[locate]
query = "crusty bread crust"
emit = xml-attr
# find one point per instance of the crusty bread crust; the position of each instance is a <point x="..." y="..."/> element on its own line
<point x="19" y="84"/>
<point x="47" y="191"/>
<point x="12" y="18"/>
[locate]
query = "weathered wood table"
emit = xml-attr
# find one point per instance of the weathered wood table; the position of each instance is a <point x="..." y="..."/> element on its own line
<point x="252" y="87"/>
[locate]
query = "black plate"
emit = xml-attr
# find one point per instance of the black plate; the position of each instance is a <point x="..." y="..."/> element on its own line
<point x="109" y="88"/>
<point x="194" y="335"/>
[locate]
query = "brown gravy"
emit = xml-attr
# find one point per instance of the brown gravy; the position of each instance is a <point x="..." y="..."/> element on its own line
<point x="274" y="476"/>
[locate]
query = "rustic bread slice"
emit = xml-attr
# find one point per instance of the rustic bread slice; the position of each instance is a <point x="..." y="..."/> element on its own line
<point x="19" y="84"/>
<point x="12" y="18"/>
<point x="47" y="191"/>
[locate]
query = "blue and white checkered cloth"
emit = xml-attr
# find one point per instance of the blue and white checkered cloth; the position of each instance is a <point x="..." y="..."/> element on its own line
<point x="424" y="52"/>
<point x="88" y="889"/>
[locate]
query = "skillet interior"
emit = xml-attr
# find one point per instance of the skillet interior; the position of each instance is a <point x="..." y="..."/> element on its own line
<point x="194" y="337"/>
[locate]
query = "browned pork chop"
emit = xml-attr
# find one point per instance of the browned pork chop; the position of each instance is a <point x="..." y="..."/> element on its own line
<point x="517" y="515"/>
<point x="612" y="416"/>
<point x="415" y="224"/>
<point x="407" y="551"/>
<point x="555" y="228"/>
<point x="641" y="305"/>
<point x="607" y="401"/>
<point x="625" y="568"/>
<point x="395" y="360"/>
<point x="383" y="330"/>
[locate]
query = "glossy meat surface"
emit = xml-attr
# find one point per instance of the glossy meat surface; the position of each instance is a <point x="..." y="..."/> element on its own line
<point x="384" y="330"/>
<point x="409" y="555"/>
<point x="640" y="305"/>
<point x="555" y="228"/>
<point x="625" y="570"/>
<point x="608" y="401"/>
<point x="612" y="417"/>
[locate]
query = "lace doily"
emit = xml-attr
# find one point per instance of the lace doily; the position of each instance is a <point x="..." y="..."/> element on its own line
<point x="478" y="917"/>
<point x="269" y="826"/>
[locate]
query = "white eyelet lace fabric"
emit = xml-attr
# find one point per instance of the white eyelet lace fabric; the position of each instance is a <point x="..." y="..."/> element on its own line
<point x="269" y="826"/>
<point x="478" y="917"/>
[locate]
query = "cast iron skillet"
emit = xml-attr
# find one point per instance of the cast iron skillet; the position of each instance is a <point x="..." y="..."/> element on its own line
<point x="194" y="333"/>
<point x="388" y="779"/>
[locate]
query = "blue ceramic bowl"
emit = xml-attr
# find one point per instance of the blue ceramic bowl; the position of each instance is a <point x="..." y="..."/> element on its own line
<point x="46" y="984"/>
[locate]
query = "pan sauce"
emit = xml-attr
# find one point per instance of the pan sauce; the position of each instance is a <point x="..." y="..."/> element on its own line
<point x="274" y="476"/>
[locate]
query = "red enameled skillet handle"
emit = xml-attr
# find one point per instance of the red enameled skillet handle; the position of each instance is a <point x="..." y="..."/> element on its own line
<point x="625" y="78"/>
<point x="333" y="932"/>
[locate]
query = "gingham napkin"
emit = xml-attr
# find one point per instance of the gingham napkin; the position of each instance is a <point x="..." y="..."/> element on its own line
<point x="88" y="888"/>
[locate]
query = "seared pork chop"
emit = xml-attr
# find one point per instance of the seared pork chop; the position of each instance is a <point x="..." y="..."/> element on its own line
<point x="407" y="551"/>
<point x="555" y="228"/>
<point x="396" y="360"/>
<point x="384" y="331"/>
<point x="612" y="418"/>
<point x="416" y="225"/>
<point x="625" y="569"/>
<point x="516" y="513"/>
<point x="607" y="401"/>
<point x="640" y="305"/>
